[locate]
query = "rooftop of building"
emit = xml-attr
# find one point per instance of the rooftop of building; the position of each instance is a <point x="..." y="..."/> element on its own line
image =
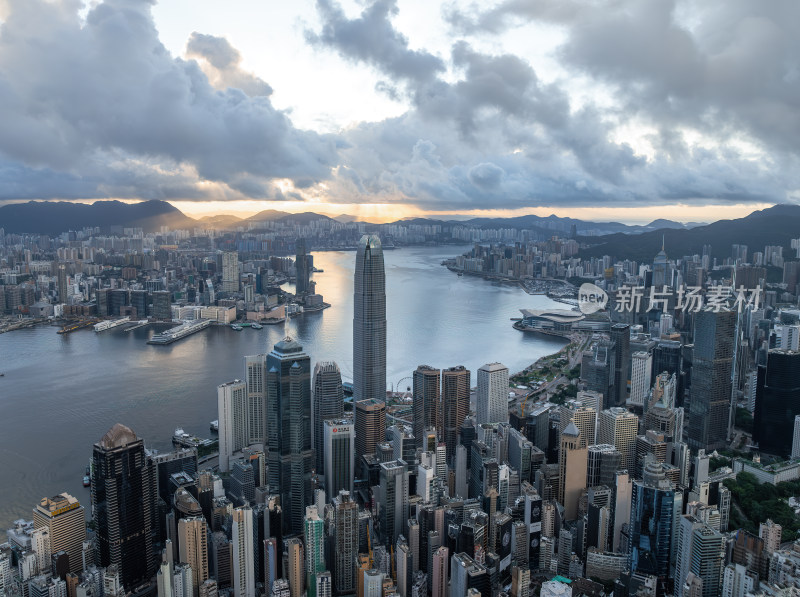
<point x="118" y="436"/>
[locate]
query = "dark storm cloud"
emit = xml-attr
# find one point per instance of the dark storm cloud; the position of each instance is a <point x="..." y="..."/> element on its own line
<point x="503" y="138"/>
<point x="371" y="38"/>
<point x="104" y="103"/>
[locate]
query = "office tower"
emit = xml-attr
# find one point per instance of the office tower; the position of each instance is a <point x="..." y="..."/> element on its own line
<point x="302" y="266"/>
<point x="371" y="583"/>
<point x="425" y="402"/>
<point x="661" y="270"/>
<point x="193" y="549"/>
<point x="641" y="369"/>
<point x="738" y="581"/>
<point x="710" y="406"/>
<point x="777" y="402"/>
<point x="393" y="500"/>
<point x="655" y="507"/>
<point x="621" y="337"/>
<point x="572" y="463"/>
<point x="455" y="405"/>
<point x="64" y="518"/>
<point x="369" y="322"/>
<point x="603" y="464"/>
<point x="467" y="574"/>
<point x="123" y="489"/>
<point x="314" y="536"/>
<point x="770" y="532"/>
<point x="232" y="414"/>
<point x="339" y="446"/>
<point x="584" y="417"/>
<point x="598" y="368"/>
<point x="230" y="271"/>
<point x="667" y="357"/>
<point x="370" y="422"/>
<point x="618" y="427"/>
<point x="40" y="545"/>
<point x="296" y="567"/>
<point x="243" y="570"/>
<point x="701" y="552"/>
<point x="438" y="574"/>
<point x="62" y="283"/>
<point x="492" y="399"/>
<point x="328" y="403"/>
<point x="520" y="452"/>
<point x="255" y="376"/>
<point x="289" y="413"/>
<point x="345" y="537"/>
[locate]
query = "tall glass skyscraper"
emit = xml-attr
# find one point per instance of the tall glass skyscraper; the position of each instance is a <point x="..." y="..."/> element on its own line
<point x="710" y="406"/>
<point x="369" y="321"/>
<point x="777" y="402"/>
<point x="122" y="503"/>
<point x="289" y="435"/>
<point x="328" y="403"/>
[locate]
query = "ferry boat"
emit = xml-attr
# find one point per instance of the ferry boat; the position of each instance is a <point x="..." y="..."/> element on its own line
<point x="215" y="426"/>
<point x="111" y="323"/>
<point x="185" y="329"/>
<point x="236" y="327"/>
<point x="256" y="326"/>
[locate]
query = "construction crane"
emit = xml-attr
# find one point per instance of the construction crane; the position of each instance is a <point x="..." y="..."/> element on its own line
<point x="522" y="406"/>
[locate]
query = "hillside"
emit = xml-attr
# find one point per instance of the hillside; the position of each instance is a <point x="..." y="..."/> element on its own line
<point x="776" y="225"/>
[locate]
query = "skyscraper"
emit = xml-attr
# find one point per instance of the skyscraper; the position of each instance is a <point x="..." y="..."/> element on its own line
<point x="62" y="282"/>
<point x="641" y="370"/>
<point x="710" y="405"/>
<point x="654" y="508"/>
<point x="339" y="446"/>
<point x="492" y="398"/>
<point x="303" y="272"/>
<point x="393" y="500"/>
<point x="122" y="503"/>
<point x="345" y="537"/>
<point x="572" y="464"/>
<point x="455" y="405"/>
<point x="621" y="337"/>
<point x="328" y="403"/>
<point x="425" y="402"/>
<point x="230" y="271"/>
<point x="619" y="427"/>
<point x="777" y="402"/>
<point x="370" y="421"/>
<point x="64" y="518"/>
<point x="289" y="434"/>
<point x="243" y="571"/>
<point x="314" y="535"/>
<point x="193" y="549"/>
<point x="255" y="376"/>
<point x="369" y="322"/>
<point x="232" y="415"/>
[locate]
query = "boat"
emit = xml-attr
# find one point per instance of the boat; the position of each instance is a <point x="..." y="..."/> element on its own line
<point x="2" y="374"/>
<point x="236" y="327"/>
<point x="215" y="425"/>
<point x="111" y="323"/>
<point x="257" y="326"/>
<point x="86" y="481"/>
<point x="185" y="329"/>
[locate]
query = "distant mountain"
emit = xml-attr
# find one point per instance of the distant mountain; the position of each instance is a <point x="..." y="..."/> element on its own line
<point x="220" y="221"/>
<point x="345" y="218"/>
<point x="776" y="225"/>
<point x="268" y="215"/>
<point x="54" y="217"/>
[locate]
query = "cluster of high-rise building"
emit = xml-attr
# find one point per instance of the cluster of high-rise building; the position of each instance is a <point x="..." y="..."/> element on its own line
<point x="464" y="492"/>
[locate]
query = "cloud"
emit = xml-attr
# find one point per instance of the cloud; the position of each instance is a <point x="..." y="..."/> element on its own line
<point x="503" y="138"/>
<point x="78" y="97"/>
<point x="371" y="38"/>
<point x="223" y="60"/>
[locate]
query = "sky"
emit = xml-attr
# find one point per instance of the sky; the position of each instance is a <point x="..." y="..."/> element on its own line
<point x="615" y="109"/>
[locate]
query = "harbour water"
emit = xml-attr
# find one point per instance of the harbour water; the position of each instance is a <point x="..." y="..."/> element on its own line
<point x="61" y="393"/>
